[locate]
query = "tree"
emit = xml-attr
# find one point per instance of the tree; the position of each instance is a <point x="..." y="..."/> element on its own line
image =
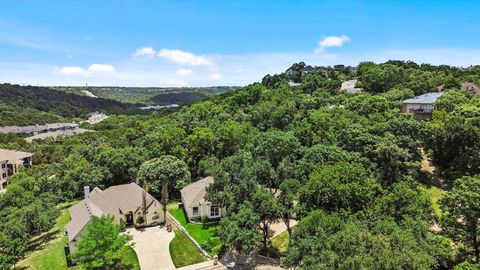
<point x="235" y="181"/>
<point x="267" y="209"/>
<point x="323" y="241"/>
<point x="239" y="231"/>
<point x="162" y="172"/>
<point x="339" y="186"/>
<point x="103" y="245"/>
<point x="287" y="202"/>
<point x="461" y="218"/>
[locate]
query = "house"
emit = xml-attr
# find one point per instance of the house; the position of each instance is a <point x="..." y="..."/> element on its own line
<point x="307" y="69"/>
<point x="37" y="129"/>
<point x="10" y="162"/>
<point x="471" y="87"/>
<point x="3" y="174"/>
<point x="123" y="202"/>
<point x="289" y="71"/>
<point x="421" y="106"/>
<point x="349" y="87"/>
<point x="195" y="204"/>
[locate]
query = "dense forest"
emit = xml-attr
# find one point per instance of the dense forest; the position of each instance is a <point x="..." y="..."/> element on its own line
<point x="349" y="167"/>
<point x="24" y="105"/>
<point x="150" y="95"/>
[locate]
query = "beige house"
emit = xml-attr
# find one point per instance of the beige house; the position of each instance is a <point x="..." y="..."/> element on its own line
<point x="195" y="204"/>
<point x="421" y="106"/>
<point x="124" y="202"/>
<point x="10" y="162"/>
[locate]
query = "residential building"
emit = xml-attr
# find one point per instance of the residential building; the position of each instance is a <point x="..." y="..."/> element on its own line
<point x="195" y="204"/>
<point x="123" y="202"/>
<point x="37" y="129"/>
<point x="307" y="69"/>
<point x="471" y="87"/>
<point x="3" y="174"/>
<point x="10" y="162"/>
<point x="421" y="106"/>
<point x="289" y="71"/>
<point x="349" y="87"/>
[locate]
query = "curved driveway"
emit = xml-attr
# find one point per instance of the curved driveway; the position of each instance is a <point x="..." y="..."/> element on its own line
<point x="152" y="248"/>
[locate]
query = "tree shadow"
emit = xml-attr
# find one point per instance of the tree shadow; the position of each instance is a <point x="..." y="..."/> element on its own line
<point x="43" y="240"/>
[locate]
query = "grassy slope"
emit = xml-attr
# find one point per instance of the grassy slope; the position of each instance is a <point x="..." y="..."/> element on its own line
<point x="281" y="242"/>
<point x="435" y="195"/>
<point x="183" y="252"/>
<point x="47" y="249"/>
<point x="199" y="232"/>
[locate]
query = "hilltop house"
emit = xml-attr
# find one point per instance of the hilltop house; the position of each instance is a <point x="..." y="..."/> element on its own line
<point x="471" y="87"/>
<point x="124" y="202"/>
<point x="10" y="163"/>
<point x="195" y="204"/>
<point x="421" y="106"/>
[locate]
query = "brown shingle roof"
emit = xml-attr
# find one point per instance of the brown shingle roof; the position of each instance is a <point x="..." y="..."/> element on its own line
<point x="194" y="194"/>
<point x="115" y="200"/>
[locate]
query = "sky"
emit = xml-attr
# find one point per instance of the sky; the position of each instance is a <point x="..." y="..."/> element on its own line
<point x="207" y="43"/>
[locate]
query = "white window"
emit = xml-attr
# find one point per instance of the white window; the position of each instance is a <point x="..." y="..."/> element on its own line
<point x="195" y="211"/>
<point x="214" y="211"/>
<point x="155" y="215"/>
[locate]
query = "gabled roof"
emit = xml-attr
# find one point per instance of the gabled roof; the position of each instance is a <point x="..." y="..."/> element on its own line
<point x="81" y="214"/>
<point x="194" y="194"/>
<point x="428" y="98"/>
<point x="115" y="200"/>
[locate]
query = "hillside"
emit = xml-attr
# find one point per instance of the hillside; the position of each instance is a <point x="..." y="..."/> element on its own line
<point x="22" y="105"/>
<point x="150" y="95"/>
<point x="347" y="166"/>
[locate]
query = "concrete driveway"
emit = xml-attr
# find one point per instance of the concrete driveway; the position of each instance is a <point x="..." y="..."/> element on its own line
<point x="151" y="246"/>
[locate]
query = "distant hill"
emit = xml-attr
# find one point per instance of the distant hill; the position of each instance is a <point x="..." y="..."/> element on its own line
<point x="150" y="95"/>
<point x="21" y="105"/>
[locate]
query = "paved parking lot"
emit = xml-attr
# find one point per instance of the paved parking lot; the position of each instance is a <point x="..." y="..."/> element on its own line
<point x="151" y="246"/>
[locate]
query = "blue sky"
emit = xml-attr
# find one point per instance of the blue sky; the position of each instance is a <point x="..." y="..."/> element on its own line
<point x="202" y="43"/>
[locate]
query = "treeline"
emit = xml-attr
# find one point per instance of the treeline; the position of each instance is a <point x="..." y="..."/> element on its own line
<point x="348" y="166"/>
<point x="22" y="105"/>
<point x="150" y="95"/>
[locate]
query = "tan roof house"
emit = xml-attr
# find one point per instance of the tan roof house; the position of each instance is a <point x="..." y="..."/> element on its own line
<point x="10" y="163"/>
<point x="195" y="204"/>
<point x="124" y="202"/>
<point x="471" y="87"/>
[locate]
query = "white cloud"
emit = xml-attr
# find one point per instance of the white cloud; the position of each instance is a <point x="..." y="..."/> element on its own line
<point x="79" y="71"/>
<point x="101" y="68"/>
<point x="144" y="52"/>
<point x="184" y="72"/>
<point x="69" y="56"/>
<point x="215" y="76"/>
<point x="184" y="58"/>
<point x="331" y="41"/>
<point x="177" y="83"/>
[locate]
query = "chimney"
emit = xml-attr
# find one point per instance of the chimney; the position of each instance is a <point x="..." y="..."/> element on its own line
<point x="86" y="191"/>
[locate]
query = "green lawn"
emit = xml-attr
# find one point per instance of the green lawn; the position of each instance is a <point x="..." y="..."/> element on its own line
<point x="47" y="249"/>
<point x="435" y="195"/>
<point x="183" y="251"/>
<point x="201" y="233"/>
<point x="281" y="242"/>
